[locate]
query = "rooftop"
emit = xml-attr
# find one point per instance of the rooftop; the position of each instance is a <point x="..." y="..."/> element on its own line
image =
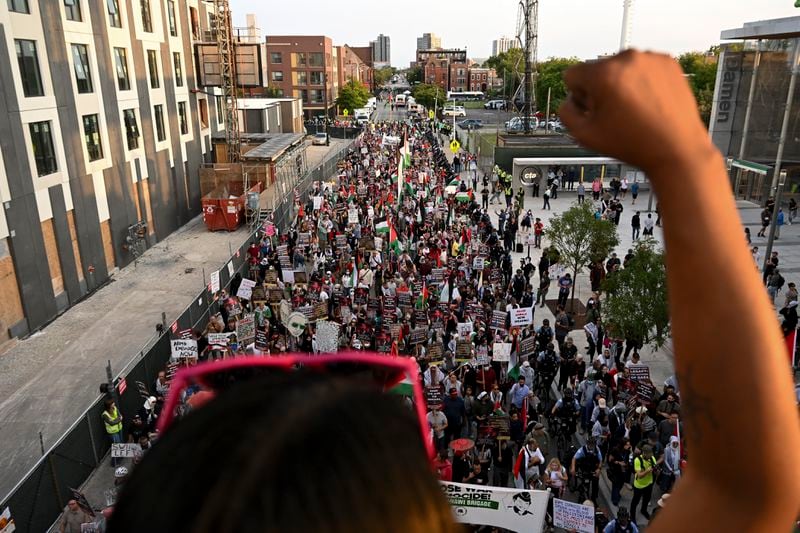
<point x="272" y="146"/>
<point x="765" y="29"/>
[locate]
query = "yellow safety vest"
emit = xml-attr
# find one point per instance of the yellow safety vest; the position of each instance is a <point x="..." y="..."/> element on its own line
<point x="111" y="429"/>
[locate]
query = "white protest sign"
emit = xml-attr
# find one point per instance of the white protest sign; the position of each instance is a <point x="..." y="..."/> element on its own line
<point x="215" y="281"/>
<point x="352" y="216"/>
<point x="125" y="450"/>
<point x="230" y="268"/>
<point x="184" y="348"/>
<point x="317" y="203"/>
<point x="477" y="263"/>
<point x="501" y="352"/>
<point x="521" y="317"/>
<point x="573" y="516"/>
<point x="218" y="339"/>
<point x="327" y="336"/>
<point x="464" y="329"/>
<point x="511" y="509"/>
<point x="288" y="276"/>
<point x="246" y="289"/>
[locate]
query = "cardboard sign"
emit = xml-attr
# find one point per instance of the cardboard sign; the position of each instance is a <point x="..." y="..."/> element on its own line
<point x="482" y="355"/>
<point x="183" y="348"/>
<point x="271" y="277"/>
<point x="501" y="352"/>
<point x="522" y="316"/>
<point x="304" y="239"/>
<point x="435" y="354"/>
<point x="246" y="329"/>
<point x="245" y="291"/>
<point x="275" y="295"/>
<point x="640" y="373"/>
<point x="463" y="351"/>
<point x="464" y="329"/>
<point x="527" y="347"/>
<point x="418" y="335"/>
<point x="300" y="277"/>
<point x="261" y="340"/>
<point x="125" y="450"/>
<point x="502" y="426"/>
<point x="367" y="242"/>
<point x="573" y="516"/>
<point x="215" y="281"/>
<point x="498" y="320"/>
<point x="218" y="339"/>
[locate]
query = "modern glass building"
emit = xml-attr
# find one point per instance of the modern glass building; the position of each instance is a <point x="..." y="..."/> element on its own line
<point x="752" y="93"/>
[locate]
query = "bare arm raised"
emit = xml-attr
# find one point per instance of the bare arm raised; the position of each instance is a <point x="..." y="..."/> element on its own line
<point x="638" y="107"/>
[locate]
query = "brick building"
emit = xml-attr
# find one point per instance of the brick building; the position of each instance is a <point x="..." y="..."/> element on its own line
<point x="446" y="68"/>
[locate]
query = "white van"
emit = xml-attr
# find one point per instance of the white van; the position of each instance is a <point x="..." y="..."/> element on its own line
<point x="400" y="100"/>
<point x="362" y="115"/>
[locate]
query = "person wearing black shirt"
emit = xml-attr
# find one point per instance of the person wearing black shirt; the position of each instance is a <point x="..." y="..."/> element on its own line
<point x="502" y="459"/>
<point x="636" y="224"/>
<point x="477" y="477"/>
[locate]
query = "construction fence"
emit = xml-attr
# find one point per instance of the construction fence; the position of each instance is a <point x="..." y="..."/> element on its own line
<point x="37" y="500"/>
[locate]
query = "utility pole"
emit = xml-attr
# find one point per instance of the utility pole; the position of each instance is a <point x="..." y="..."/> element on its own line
<point x="528" y="23"/>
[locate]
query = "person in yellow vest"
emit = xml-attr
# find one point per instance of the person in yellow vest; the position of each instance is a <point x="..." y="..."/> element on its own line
<point x="644" y="468"/>
<point x="112" y="419"/>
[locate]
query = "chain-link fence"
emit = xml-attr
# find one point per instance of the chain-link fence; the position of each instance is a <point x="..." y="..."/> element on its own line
<point x="41" y="495"/>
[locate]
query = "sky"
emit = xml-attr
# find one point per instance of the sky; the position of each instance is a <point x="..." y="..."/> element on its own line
<point x="580" y="28"/>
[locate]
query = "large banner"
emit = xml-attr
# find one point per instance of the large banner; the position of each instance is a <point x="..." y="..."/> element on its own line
<point x="512" y="509"/>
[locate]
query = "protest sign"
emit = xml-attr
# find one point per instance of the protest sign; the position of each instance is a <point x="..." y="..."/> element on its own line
<point x="464" y="329"/>
<point x="367" y="242"/>
<point x="321" y="311"/>
<point x="341" y="242"/>
<point x="271" y="277"/>
<point x="435" y="354"/>
<point x="275" y="295"/>
<point x="125" y="449"/>
<point x="215" y="281"/>
<point x="573" y="516"/>
<point x="317" y="203"/>
<point x="478" y="263"/>
<point x="230" y="268"/>
<point x="269" y="229"/>
<point x="482" y="355"/>
<point x="509" y="509"/>
<point x="261" y="340"/>
<point x="218" y="339"/>
<point x="527" y="347"/>
<point x="437" y="275"/>
<point x="378" y="243"/>
<point x="246" y="329"/>
<point x="183" y="348"/>
<point x="303" y="239"/>
<point x="521" y="317"/>
<point x="245" y="291"/>
<point x="420" y="317"/>
<point x="383" y="342"/>
<point x="645" y="391"/>
<point x="498" y="320"/>
<point x="418" y="335"/>
<point x="327" y="336"/>
<point x="463" y="351"/>
<point x="300" y="277"/>
<point x="360" y="296"/>
<point x="433" y="396"/>
<point x="502" y="426"/>
<point x="352" y="216"/>
<point x="640" y="373"/>
<point x="501" y="352"/>
<point x="404" y="298"/>
<point x="288" y="275"/>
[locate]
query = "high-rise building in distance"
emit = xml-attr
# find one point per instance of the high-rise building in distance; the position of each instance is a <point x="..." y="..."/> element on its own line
<point x="381" y="51"/>
<point x="503" y="44"/>
<point x="429" y="41"/>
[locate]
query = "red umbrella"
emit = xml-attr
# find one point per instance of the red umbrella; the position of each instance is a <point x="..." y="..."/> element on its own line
<point x="462" y="445"/>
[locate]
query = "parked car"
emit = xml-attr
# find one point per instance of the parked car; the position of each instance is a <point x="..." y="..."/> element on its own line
<point x="470" y="123"/>
<point x="319" y="139"/>
<point x="516" y="124"/>
<point x="495" y="104"/>
<point x="454" y="111"/>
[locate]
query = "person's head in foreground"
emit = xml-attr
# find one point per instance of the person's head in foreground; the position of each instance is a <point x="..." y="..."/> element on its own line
<point x="291" y="452"/>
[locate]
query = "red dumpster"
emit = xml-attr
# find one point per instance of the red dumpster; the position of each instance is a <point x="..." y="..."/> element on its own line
<point x="223" y="208"/>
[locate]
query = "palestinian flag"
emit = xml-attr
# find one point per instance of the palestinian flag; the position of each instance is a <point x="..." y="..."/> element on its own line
<point x="423" y="298"/>
<point x="394" y="243"/>
<point x="382" y="227"/>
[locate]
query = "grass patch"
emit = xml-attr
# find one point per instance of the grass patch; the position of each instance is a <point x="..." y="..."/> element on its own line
<point x="472" y="104"/>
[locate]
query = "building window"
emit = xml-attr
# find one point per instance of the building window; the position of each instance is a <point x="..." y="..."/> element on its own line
<point x="316" y="96"/>
<point x="83" y="76"/>
<point x="173" y="26"/>
<point x="91" y="132"/>
<point x="220" y="101"/>
<point x="195" y="23"/>
<point x="301" y="59"/>
<point x="43" y="151"/>
<point x="161" y="134"/>
<point x="28" y="61"/>
<point x="121" y="59"/>
<point x="302" y="78"/>
<point x="315" y="59"/>
<point x="114" y="17"/>
<point x="131" y="129"/>
<point x="147" y="19"/>
<point x="182" y="118"/>
<point x="316" y="77"/>
<point x="18" y="6"/>
<point x="152" y="66"/>
<point x="72" y="9"/>
<point x="277" y="75"/>
<point x="202" y="106"/>
<point x="303" y="95"/>
<point x="176" y="59"/>
<point x="276" y="57"/>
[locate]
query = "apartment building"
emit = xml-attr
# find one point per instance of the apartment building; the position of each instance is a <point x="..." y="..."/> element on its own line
<point x="429" y="41"/>
<point x="305" y="67"/>
<point x="447" y="68"/>
<point x="503" y="44"/>
<point x="381" y="51"/>
<point x="353" y="67"/>
<point x="101" y="139"/>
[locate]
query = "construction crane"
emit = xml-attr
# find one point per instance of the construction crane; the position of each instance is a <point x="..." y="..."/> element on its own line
<point x="226" y="46"/>
<point x="528" y="39"/>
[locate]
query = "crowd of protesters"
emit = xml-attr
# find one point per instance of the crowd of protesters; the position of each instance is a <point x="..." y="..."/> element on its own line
<point x="400" y="253"/>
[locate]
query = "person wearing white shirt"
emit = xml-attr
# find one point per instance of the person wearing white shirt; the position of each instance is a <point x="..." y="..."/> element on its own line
<point x="635" y="360"/>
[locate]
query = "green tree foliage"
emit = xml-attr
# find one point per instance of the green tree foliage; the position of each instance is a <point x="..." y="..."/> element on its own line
<point x="273" y="92"/>
<point x="580" y="238"/>
<point x="426" y="94"/>
<point x="636" y="303"/>
<point x="383" y="75"/>
<point x="701" y="71"/>
<point x="352" y="96"/>
<point x="551" y="76"/>
<point x="415" y="75"/>
<point x="510" y="66"/>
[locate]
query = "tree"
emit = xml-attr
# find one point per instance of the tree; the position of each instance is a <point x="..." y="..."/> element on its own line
<point x="273" y="92"/>
<point x="352" y="96"/>
<point x="427" y="95"/>
<point x="551" y="76"/>
<point x="415" y="75"/>
<point x="636" y="303"/>
<point x="580" y="238"/>
<point x="510" y="65"/>
<point x="701" y="70"/>
<point x="383" y="75"/>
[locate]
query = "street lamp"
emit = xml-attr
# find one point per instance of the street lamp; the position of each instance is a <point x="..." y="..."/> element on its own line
<point x="774" y="222"/>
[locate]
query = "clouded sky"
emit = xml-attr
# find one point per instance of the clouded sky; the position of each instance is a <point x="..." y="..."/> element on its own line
<point x="582" y="28"/>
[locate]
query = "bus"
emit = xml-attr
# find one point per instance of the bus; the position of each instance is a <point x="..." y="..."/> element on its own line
<point x="465" y="95"/>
